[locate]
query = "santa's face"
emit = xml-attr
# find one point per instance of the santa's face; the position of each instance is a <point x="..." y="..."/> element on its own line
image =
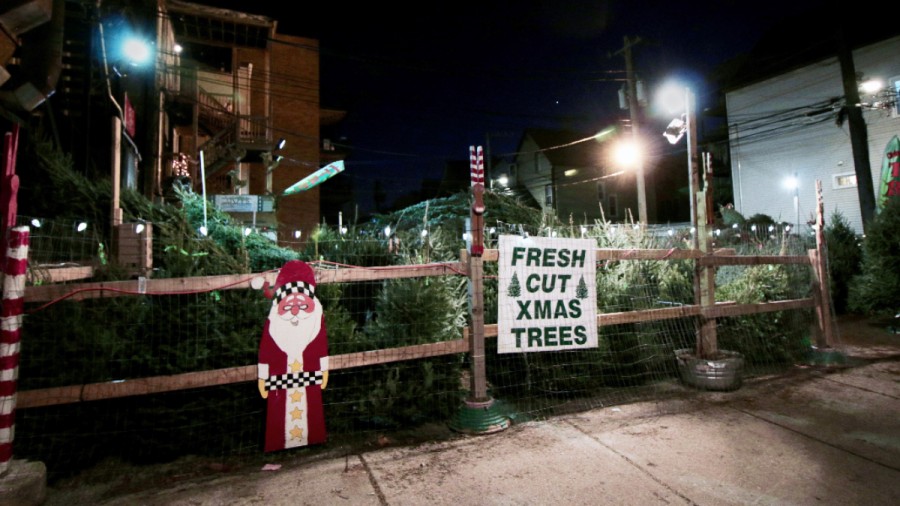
<point x="296" y="307"/>
<point x="294" y="322"/>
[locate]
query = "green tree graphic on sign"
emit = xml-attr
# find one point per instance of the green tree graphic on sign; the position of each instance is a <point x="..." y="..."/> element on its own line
<point x="582" y="290"/>
<point x="514" y="290"/>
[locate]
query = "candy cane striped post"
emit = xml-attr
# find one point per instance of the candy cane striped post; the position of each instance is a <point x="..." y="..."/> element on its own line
<point x="10" y="333"/>
<point x="476" y="166"/>
<point x="479" y="414"/>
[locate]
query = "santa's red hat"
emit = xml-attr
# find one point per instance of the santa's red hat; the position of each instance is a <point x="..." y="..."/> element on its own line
<point x="294" y="277"/>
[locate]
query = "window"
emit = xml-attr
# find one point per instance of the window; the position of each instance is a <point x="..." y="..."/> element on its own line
<point x="548" y="195"/>
<point x="538" y="166"/>
<point x="609" y="202"/>
<point x="844" y="180"/>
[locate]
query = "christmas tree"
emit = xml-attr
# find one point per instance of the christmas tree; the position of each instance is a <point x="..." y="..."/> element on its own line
<point x="514" y="290"/>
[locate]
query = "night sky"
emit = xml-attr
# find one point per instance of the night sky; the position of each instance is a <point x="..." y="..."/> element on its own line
<point x="423" y="83"/>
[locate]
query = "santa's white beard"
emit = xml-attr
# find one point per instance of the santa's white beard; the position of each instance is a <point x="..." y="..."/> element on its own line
<point x="293" y="339"/>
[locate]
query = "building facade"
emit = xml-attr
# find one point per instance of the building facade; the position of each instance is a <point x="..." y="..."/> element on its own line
<point x="789" y="130"/>
<point x="569" y="175"/>
<point x="246" y="99"/>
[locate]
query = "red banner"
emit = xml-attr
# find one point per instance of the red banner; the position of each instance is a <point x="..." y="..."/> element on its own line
<point x="129" y="119"/>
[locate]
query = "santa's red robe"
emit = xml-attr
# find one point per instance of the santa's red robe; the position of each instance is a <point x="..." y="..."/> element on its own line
<point x="294" y="416"/>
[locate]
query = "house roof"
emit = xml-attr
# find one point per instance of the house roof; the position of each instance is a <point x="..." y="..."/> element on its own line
<point x="802" y="40"/>
<point x="562" y="147"/>
<point x="213" y="25"/>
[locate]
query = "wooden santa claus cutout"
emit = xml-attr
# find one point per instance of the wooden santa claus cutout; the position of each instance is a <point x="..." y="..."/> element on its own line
<point x="293" y="360"/>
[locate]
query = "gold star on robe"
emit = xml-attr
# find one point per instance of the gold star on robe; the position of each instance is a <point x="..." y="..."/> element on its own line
<point x="296" y="433"/>
<point x="296" y="366"/>
<point x="296" y="395"/>
<point x="296" y="414"/>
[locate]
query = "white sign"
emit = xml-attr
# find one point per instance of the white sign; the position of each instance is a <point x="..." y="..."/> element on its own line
<point x="243" y="203"/>
<point x="547" y="294"/>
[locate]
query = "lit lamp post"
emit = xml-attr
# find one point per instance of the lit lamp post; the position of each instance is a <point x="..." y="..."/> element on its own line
<point x="704" y="277"/>
<point x="793" y="183"/>
<point x="135" y="52"/>
<point x="678" y="127"/>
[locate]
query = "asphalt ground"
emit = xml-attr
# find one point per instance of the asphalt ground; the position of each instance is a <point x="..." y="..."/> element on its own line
<point x="817" y="435"/>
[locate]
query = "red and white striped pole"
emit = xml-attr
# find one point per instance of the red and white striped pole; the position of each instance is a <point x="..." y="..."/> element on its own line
<point x="11" y="323"/>
<point x="476" y="166"/>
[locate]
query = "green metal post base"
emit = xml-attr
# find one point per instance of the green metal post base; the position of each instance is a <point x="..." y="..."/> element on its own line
<point x="825" y="356"/>
<point x="479" y="417"/>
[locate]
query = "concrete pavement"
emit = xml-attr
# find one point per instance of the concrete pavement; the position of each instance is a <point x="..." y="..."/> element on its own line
<point x="815" y="436"/>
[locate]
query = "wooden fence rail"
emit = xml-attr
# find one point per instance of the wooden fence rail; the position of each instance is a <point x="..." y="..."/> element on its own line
<point x="159" y="384"/>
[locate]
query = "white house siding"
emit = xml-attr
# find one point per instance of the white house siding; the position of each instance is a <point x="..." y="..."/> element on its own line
<point x="766" y="152"/>
<point x="577" y="195"/>
<point x="533" y="171"/>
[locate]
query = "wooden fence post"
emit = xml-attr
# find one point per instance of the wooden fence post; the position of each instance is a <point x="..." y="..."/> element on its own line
<point x="475" y="269"/>
<point x="479" y="413"/>
<point x="13" y="304"/>
<point x="9" y="185"/>
<point x="707" y="342"/>
<point x="822" y="292"/>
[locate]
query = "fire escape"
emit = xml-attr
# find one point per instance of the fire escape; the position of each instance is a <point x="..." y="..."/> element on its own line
<point x="218" y="107"/>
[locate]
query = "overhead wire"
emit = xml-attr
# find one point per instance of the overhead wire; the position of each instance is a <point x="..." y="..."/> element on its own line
<point x="283" y="86"/>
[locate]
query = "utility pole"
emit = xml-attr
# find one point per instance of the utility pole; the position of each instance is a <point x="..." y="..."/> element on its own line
<point x="488" y="156"/>
<point x="859" y="134"/>
<point x="633" y="104"/>
<point x="693" y="160"/>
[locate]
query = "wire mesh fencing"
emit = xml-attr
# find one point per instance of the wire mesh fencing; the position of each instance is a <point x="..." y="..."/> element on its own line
<point x="149" y="370"/>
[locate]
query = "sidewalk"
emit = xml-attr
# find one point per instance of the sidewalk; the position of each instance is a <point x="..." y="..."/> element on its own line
<point x="817" y="436"/>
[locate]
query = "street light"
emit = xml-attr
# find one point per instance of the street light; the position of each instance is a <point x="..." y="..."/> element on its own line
<point x="793" y="183"/>
<point x="675" y="131"/>
<point x="137" y="51"/>
<point x="679" y="99"/>
<point x="627" y="153"/>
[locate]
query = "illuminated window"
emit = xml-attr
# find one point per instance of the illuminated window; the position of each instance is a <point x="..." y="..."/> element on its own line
<point x="845" y="180"/>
